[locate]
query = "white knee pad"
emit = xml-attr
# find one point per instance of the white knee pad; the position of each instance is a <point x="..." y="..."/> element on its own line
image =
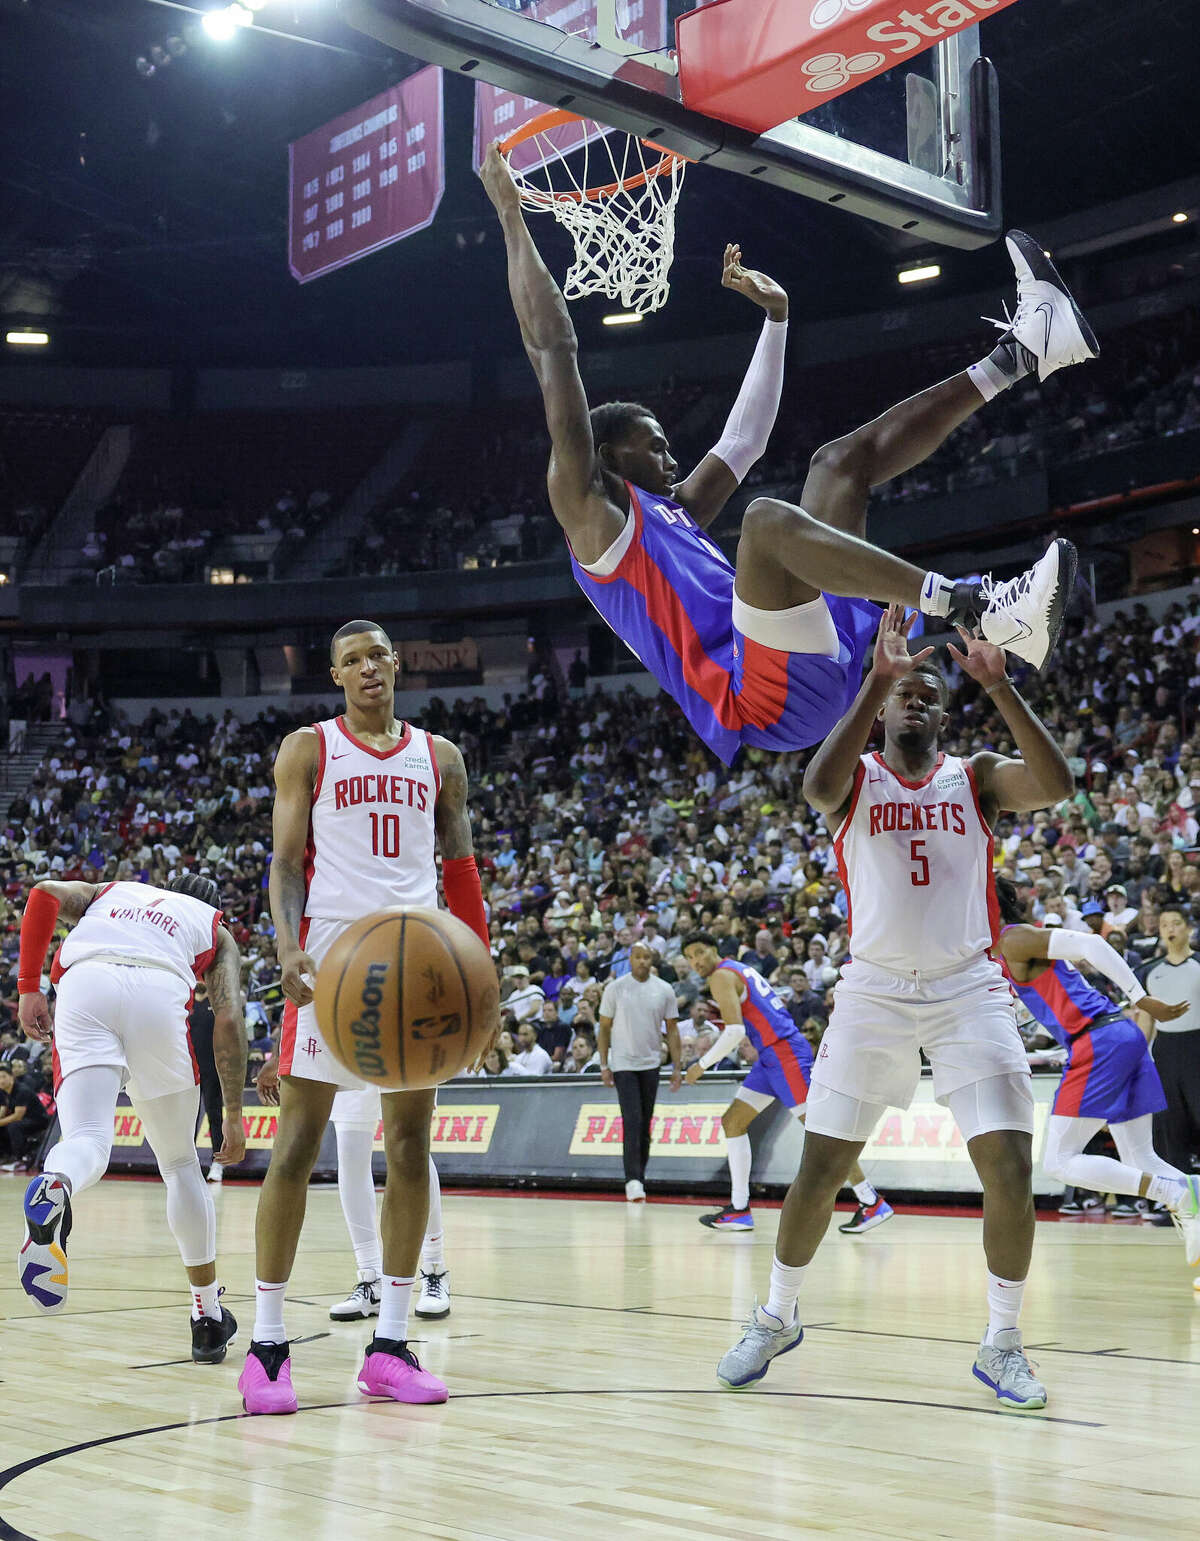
<point x="840" y="1116"/>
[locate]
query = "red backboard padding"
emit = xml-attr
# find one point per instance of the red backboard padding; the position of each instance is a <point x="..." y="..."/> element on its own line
<point x="757" y="63"/>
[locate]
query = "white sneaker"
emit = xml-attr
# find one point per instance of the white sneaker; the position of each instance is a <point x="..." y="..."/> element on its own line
<point x="635" y="1193"/>
<point x="1186" y="1216"/>
<point x="1048" y="324"/>
<point x="1025" y="614"/>
<point x="434" y="1299"/>
<point x="361" y="1302"/>
<point x="216" y="1173"/>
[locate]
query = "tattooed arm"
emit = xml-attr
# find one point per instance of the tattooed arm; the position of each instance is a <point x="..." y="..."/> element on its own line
<point x="224" y="984"/>
<point x="295" y="777"/>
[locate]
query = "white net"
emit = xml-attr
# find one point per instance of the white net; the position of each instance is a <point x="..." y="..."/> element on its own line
<point x="618" y="203"/>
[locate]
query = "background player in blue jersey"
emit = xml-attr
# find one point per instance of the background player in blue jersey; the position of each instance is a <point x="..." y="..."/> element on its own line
<point x="751" y="1009"/>
<point x="1109" y="1077"/>
<point x="763" y="653"/>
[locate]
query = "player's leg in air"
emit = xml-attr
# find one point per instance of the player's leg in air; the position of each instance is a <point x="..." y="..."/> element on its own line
<point x="355" y="1118"/>
<point x="788" y="556"/>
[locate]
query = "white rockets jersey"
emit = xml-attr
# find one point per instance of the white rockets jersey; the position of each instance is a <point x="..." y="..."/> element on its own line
<point x="371" y="834"/>
<point x="143" y="924"/>
<point x="916" y="862"/>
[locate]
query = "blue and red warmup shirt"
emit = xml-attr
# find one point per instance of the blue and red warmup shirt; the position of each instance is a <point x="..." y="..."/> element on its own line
<point x="1062" y="1001"/>
<point x="670" y="600"/>
<point x="784" y="1063"/>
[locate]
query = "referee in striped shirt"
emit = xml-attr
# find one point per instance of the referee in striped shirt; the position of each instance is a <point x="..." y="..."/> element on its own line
<point x="1174" y="975"/>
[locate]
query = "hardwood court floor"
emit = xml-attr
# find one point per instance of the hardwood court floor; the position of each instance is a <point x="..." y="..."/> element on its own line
<point x="580" y="1356"/>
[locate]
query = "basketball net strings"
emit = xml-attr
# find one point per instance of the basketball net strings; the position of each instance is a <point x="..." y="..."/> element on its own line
<point x="624" y="241"/>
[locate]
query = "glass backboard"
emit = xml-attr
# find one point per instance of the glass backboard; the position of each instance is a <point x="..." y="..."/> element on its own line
<point x="916" y="148"/>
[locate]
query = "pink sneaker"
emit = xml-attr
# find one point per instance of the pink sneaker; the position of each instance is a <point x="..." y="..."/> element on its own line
<point x="266" y="1380"/>
<point x="390" y="1369"/>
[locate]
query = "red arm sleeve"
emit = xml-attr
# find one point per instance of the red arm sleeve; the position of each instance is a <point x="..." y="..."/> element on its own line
<point x="464" y="896"/>
<point x="37" y="932"/>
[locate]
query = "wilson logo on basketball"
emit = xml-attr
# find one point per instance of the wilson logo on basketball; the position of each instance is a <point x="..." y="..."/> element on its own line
<point x="365" y="1028"/>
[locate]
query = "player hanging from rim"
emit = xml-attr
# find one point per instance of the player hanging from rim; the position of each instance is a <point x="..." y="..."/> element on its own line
<point x="1109" y="1077"/>
<point x="124" y="978"/>
<point x="750" y="1008"/>
<point x="360" y="801"/>
<point x="764" y="653"/>
<point x="914" y="844"/>
<point x="355" y="1117"/>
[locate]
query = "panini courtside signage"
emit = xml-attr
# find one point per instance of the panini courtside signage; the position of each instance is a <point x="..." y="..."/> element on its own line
<point x="466" y="1127"/>
<point x="687" y="1130"/>
<point x="758" y="63"/>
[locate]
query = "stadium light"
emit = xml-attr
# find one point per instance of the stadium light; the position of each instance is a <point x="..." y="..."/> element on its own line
<point x="25" y="339"/>
<point x="1179" y="219"/>
<point x="919" y="275"/>
<point x="623" y="318"/>
<point x="221" y="25"/>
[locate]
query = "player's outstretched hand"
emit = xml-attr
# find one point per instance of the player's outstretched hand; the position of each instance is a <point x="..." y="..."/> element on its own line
<point x="33" y="1013"/>
<point x="266" y="1082"/>
<point x="233" y="1139"/>
<point x="296" y="986"/>
<point x="1161" y="1011"/>
<point x="755" y="286"/>
<point x="983" y="661"/>
<point x="497" y="179"/>
<point x="892" y="660"/>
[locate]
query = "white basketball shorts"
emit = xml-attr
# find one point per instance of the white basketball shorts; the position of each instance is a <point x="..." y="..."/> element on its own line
<point x="964" y="1021"/>
<point x="128" y="1016"/>
<point x="302" y="1050"/>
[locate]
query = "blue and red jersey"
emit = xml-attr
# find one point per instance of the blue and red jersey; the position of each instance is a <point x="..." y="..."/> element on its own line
<point x="767" y="1020"/>
<point x="670" y="599"/>
<point x="1062" y="1001"/>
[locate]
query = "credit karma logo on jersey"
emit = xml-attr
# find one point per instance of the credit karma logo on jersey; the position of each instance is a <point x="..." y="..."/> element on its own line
<point x="693" y="1130"/>
<point x="854" y="25"/>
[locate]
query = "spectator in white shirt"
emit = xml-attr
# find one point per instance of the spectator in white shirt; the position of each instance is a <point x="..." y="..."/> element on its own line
<point x="530" y="1058"/>
<point x="525" y="1002"/>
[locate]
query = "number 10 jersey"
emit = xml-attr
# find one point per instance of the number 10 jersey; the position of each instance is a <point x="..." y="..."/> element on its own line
<point x="915" y="859"/>
<point x="371" y="831"/>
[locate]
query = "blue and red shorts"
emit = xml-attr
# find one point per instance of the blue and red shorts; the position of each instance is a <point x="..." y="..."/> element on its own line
<point x="780" y="1072"/>
<point x="1110" y="1075"/>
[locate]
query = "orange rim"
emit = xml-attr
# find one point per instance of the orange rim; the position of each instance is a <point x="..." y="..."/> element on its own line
<point x="556" y="117"/>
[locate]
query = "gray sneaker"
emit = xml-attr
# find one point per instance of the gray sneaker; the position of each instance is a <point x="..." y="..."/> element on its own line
<point x="1002" y="1365"/>
<point x="764" y="1337"/>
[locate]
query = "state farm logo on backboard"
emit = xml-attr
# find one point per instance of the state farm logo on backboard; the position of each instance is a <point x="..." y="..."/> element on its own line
<point x="687" y="1130"/>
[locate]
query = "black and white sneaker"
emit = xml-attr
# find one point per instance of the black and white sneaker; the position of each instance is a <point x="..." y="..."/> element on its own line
<point x="1024" y="615"/>
<point x="211" y="1338"/>
<point x="434" y="1299"/>
<point x="1070" y="1204"/>
<point x="1048" y="327"/>
<point x="362" y="1302"/>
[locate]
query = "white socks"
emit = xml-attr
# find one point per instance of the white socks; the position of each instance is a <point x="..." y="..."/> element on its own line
<point x="268" y="1313"/>
<point x="395" y="1296"/>
<point x="1004" y="1305"/>
<point x="1167" y="1190"/>
<point x="1007" y="363"/>
<point x="205" y="1301"/>
<point x="433" y="1257"/>
<point x="737" y="1148"/>
<point x="865" y="1193"/>
<point x="785" y="1286"/>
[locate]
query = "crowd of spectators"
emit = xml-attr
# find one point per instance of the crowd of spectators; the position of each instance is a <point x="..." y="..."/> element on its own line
<point x="598" y="823"/>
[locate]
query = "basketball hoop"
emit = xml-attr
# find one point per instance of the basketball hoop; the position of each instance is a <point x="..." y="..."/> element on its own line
<point x="622" y="221"/>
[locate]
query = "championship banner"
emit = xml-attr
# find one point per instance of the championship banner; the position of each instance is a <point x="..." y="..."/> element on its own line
<point x="499" y="113"/>
<point x="556" y="1132"/>
<point x="367" y="178"/>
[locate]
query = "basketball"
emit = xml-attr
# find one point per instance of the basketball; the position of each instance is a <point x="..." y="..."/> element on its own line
<point x="407" y="998"/>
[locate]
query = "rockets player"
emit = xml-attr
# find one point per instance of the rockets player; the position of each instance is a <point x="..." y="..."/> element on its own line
<point x="125" y="976"/>
<point x="914" y="847"/>
<point x="751" y="1009"/>
<point x="360" y="802"/>
<point x="1110" y="1076"/>
<point x="355" y="1117"/>
<point x="764" y="653"/>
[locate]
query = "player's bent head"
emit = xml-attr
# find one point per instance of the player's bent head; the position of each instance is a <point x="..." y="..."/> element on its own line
<point x="700" y="949"/>
<point x="196" y="887"/>
<point x="1012" y="910"/>
<point x="631" y="443"/>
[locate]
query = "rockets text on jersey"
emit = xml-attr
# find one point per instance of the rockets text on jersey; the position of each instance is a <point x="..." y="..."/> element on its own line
<point x="915" y="858"/>
<point x="143" y="924"/>
<point x="371" y="832"/>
